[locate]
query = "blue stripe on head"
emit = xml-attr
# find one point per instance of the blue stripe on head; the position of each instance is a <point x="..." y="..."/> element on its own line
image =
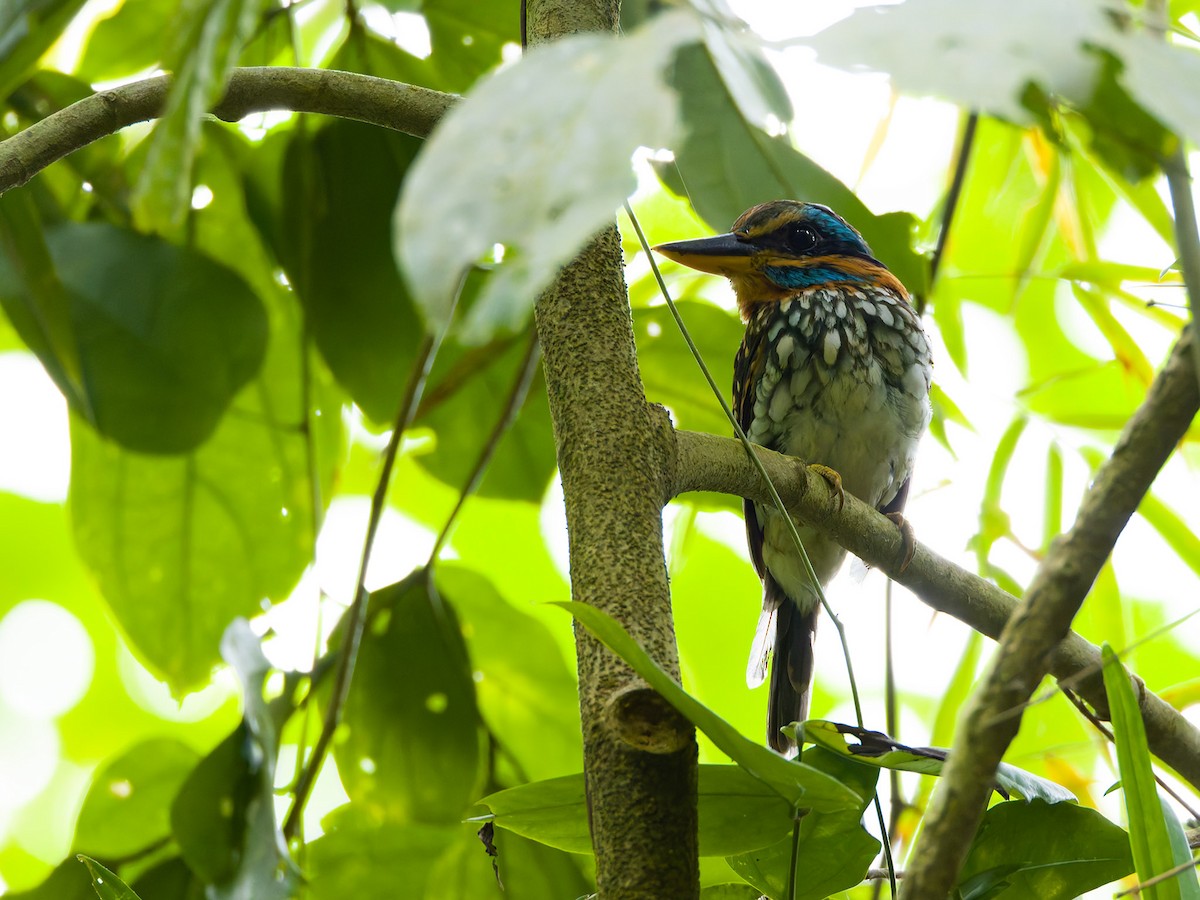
<point x="834" y="227"/>
<point x="807" y="276"/>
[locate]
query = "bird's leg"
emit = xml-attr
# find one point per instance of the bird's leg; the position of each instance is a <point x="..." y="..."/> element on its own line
<point x="908" y="538"/>
<point x="834" y="479"/>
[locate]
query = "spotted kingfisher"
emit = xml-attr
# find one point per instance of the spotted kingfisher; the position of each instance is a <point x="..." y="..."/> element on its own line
<point x="834" y="368"/>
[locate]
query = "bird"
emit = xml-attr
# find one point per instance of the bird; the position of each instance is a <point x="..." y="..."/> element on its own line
<point x="834" y="368"/>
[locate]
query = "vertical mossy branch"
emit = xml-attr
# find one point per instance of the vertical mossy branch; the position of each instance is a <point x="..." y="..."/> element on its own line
<point x="642" y="804"/>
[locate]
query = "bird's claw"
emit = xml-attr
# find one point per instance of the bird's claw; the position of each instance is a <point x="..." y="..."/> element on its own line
<point x="834" y="479"/>
<point x="908" y="538"/>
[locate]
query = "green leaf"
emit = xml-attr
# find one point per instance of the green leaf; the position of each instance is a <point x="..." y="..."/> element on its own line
<point x="527" y="694"/>
<point x="127" y="41"/>
<point x="1173" y="529"/>
<point x="467" y="38"/>
<point x="67" y="881"/>
<point x="224" y="815"/>
<point x="339" y="187"/>
<point x="1148" y="834"/>
<point x="361" y="858"/>
<point x="165" y="336"/>
<point x="414" y="748"/>
<point x="1187" y="879"/>
<point x="107" y="885"/>
<point x="798" y="783"/>
<point x="466" y="395"/>
<point x="128" y="805"/>
<point x="738" y="813"/>
<point x="170" y="879"/>
<point x="726" y="165"/>
<point x="1048" y="851"/>
<point x="562" y="125"/>
<point x="873" y="748"/>
<point x="669" y="371"/>
<point x="202" y="47"/>
<point x="981" y="56"/>
<point x="28" y="28"/>
<point x="180" y="546"/>
<point x="36" y="301"/>
<point x="834" y="850"/>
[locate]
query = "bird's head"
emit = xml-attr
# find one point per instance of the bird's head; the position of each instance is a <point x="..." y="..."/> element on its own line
<point x="779" y="248"/>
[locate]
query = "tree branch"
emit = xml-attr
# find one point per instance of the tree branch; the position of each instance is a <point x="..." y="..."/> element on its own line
<point x="378" y="101"/>
<point x="702" y="462"/>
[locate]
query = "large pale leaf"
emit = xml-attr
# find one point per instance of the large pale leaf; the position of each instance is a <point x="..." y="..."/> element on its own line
<point x="738" y="813"/>
<point x="128" y="40"/>
<point x="561" y="126"/>
<point x="165" y="336"/>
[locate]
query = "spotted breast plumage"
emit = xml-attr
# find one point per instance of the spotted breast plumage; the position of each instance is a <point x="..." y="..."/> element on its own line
<point x="834" y="368"/>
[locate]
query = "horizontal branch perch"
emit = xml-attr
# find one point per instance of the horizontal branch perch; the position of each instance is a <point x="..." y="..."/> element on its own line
<point x="348" y="95"/>
<point x="705" y="462"/>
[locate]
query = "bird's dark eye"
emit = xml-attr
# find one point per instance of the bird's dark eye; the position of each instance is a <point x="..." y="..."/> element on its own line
<point x="801" y="238"/>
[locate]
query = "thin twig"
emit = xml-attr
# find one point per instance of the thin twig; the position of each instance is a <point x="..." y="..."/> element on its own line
<point x="356" y="617"/>
<point x="962" y="158"/>
<point x="516" y="399"/>
<point x="1150" y="882"/>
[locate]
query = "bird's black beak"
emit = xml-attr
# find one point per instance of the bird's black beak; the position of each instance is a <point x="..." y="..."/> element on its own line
<point x="723" y="254"/>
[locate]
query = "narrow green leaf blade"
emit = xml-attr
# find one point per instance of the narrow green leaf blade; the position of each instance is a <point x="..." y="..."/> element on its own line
<point x="798" y="783"/>
<point x="107" y="885"/>
<point x="1148" y="834"/>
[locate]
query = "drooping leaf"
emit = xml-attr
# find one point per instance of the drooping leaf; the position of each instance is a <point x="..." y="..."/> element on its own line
<point x="170" y="879"/>
<point x="127" y="808"/>
<point x="527" y="695"/>
<point x="165" y="337"/>
<point x="202" y="47"/>
<point x="106" y="884"/>
<point x="128" y="40"/>
<point x="1052" y="851"/>
<point x="834" y="851"/>
<point x="414" y="746"/>
<point x="224" y="815"/>
<point x="738" y="813"/>
<point x="798" y="783"/>
<point x="67" y="881"/>
<point x="361" y="858"/>
<point x="1149" y="837"/>
<point x="873" y="748"/>
<point x="27" y="30"/>
<point x="726" y="165"/>
<point x="339" y="187"/>
<point x="562" y="126"/>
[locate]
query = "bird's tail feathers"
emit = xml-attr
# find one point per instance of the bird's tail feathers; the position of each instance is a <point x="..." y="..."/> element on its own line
<point x="791" y="669"/>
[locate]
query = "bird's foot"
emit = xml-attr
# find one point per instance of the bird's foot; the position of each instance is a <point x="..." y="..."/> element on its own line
<point x="834" y="479"/>
<point x="907" y="536"/>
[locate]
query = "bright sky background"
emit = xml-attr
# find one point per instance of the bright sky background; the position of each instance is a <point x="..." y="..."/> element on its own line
<point x="45" y="654"/>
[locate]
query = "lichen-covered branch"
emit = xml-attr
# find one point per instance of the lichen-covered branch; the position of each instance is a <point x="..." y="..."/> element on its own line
<point x="401" y="107"/>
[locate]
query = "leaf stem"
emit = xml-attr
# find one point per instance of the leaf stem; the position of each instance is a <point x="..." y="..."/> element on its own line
<point x="965" y="144"/>
<point x="516" y="399"/>
<point x="356" y="617"/>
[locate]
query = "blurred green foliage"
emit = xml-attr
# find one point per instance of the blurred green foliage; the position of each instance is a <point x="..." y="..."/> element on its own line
<point x="222" y="309"/>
